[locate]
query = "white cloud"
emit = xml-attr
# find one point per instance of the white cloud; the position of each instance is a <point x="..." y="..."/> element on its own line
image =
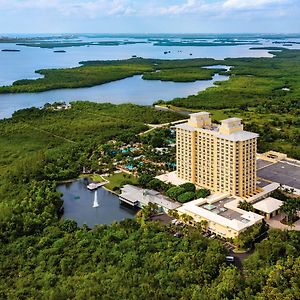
<point x="91" y="8"/>
<point x="96" y="8"/>
<point x="184" y="8"/>
<point x="251" y="4"/>
<point x="216" y="8"/>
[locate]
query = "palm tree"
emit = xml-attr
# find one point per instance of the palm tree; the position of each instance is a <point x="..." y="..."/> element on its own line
<point x="204" y="224"/>
<point x="173" y="213"/>
<point x="290" y="208"/>
<point x="186" y="218"/>
<point x="245" y="206"/>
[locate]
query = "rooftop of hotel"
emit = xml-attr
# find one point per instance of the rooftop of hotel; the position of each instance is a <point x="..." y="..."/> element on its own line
<point x="201" y="113"/>
<point x="241" y="135"/>
<point x="237" y="135"/>
<point x="229" y="120"/>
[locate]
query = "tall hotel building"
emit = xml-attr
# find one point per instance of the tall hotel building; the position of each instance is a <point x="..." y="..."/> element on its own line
<point x="218" y="157"/>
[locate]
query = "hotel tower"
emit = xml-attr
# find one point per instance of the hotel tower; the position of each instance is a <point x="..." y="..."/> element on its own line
<point x="221" y="158"/>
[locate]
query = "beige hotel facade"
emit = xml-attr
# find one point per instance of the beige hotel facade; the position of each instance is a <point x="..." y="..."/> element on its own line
<point x="221" y="158"/>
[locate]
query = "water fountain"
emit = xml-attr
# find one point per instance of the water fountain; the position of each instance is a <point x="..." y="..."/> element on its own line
<point x="96" y="204"/>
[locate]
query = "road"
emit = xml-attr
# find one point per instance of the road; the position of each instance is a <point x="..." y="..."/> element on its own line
<point x="155" y="126"/>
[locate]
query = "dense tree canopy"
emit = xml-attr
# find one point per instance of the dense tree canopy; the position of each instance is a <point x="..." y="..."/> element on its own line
<point x="45" y="257"/>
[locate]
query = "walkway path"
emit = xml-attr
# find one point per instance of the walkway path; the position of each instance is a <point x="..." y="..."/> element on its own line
<point x="154" y="126"/>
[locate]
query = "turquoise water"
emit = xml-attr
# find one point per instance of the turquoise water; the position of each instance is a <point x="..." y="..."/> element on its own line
<point x="129" y="167"/>
<point x="128" y="149"/>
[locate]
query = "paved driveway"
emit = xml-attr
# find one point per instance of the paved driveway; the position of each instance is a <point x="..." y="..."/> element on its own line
<point x="275" y="223"/>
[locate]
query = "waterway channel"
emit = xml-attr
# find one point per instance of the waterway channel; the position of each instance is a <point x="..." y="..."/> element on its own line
<point x="133" y="89"/>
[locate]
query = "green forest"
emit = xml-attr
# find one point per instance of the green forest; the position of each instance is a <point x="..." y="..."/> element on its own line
<point x="46" y="257"/>
<point x="252" y="82"/>
<point x="264" y="92"/>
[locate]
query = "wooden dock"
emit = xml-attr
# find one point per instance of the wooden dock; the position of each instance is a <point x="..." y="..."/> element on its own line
<point x="93" y="186"/>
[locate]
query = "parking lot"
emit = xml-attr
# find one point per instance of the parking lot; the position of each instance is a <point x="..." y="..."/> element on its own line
<point x="284" y="172"/>
<point x="262" y="183"/>
<point x="260" y="163"/>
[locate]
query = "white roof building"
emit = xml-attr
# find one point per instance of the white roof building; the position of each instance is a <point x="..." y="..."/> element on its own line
<point x="268" y="205"/>
<point x="221" y="212"/>
<point x="137" y="196"/>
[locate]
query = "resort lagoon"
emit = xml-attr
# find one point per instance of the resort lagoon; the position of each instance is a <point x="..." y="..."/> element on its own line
<point x="79" y="205"/>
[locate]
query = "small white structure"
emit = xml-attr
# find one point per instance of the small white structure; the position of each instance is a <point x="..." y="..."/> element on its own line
<point x="269" y="206"/>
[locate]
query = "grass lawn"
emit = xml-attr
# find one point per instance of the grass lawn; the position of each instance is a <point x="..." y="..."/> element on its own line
<point x="97" y="177"/>
<point x="93" y="177"/>
<point x="116" y="180"/>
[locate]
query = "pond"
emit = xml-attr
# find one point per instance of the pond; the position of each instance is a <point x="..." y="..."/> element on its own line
<point x="78" y="205"/>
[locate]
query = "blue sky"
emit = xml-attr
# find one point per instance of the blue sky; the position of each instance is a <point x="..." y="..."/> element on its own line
<point x="152" y="16"/>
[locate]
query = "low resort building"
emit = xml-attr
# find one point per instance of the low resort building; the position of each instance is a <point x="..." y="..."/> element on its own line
<point x="222" y="214"/>
<point x="269" y="207"/>
<point x="139" y="197"/>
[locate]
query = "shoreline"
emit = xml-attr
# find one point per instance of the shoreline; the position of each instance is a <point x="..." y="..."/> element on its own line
<point x="8" y="89"/>
<point x="78" y="178"/>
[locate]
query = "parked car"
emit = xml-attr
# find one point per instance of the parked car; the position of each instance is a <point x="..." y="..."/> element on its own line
<point x="229" y="259"/>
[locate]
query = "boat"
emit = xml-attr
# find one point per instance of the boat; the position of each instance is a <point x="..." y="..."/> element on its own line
<point x="96" y="204"/>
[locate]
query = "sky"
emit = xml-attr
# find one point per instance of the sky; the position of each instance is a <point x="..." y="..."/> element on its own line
<point x="149" y="16"/>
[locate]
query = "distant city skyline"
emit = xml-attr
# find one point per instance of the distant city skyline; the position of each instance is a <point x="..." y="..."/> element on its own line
<point x="153" y="16"/>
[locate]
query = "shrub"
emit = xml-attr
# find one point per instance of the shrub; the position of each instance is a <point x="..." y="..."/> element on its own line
<point x="154" y="184"/>
<point x="185" y="197"/>
<point x="144" y="179"/>
<point x="202" y="193"/>
<point x="175" y="191"/>
<point x="189" y="187"/>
